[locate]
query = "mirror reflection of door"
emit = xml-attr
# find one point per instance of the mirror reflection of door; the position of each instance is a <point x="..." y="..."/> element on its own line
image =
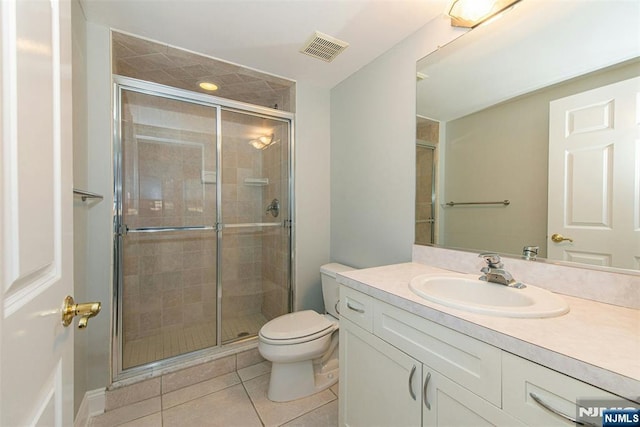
<point x="427" y="135"/>
<point x="594" y="191"/>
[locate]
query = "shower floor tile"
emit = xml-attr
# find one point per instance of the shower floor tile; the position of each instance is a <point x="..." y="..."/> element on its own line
<point x="170" y="343"/>
<point x="192" y="338"/>
<point x="234" y="328"/>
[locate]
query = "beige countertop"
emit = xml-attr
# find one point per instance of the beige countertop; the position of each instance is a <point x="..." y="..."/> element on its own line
<point x="595" y="342"/>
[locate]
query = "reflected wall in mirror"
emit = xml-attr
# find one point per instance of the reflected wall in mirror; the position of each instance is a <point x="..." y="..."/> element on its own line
<point x="539" y="108"/>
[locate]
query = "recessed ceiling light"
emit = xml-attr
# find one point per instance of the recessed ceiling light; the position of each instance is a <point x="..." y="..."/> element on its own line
<point x="208" y="86"/>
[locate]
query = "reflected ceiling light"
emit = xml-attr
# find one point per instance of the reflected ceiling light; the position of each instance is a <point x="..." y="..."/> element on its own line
<point x="471" y="13"/>
<point x="263" y="142"/>
<point x="208" y="86"/>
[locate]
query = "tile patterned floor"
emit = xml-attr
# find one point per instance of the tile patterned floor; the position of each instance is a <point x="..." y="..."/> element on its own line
<point x="196" y="337"/>
<point x="235" y="399"/>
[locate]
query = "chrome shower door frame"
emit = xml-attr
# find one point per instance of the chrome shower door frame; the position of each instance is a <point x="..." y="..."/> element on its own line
<point x="121" y="84"/>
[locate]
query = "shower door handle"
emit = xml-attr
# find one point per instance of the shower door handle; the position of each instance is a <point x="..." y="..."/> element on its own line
<point x="128" y="230"/>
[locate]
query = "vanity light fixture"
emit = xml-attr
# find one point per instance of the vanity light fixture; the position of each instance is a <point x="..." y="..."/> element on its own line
<point x="207" y="85"/>
<point x="263" y="142"/>
<point x="471" y="13"/>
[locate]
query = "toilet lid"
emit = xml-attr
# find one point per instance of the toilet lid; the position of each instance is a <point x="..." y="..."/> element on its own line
<point x="295" y="325"/>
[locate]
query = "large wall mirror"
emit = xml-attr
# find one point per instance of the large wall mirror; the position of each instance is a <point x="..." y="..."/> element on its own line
<point x="528" y="128"/>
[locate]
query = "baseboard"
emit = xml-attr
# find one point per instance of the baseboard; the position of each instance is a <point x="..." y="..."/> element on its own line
<point x="92" y="404"/>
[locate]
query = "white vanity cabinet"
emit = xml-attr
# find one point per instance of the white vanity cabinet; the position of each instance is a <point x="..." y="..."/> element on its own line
<point x="399" y="369"/>
<point x="383" y="386"/>
<point x="384" y="380"/>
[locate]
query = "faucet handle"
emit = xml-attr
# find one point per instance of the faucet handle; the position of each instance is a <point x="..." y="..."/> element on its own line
<point x="493" y="259"/>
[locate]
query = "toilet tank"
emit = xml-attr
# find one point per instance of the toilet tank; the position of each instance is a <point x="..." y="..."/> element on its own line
<point x="330" y="286"/>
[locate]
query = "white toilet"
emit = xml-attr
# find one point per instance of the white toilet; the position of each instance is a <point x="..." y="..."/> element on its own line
<point x="303" y="346"/>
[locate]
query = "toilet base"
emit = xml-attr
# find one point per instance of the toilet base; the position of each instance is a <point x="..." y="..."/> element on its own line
<point x="291" y="381"/>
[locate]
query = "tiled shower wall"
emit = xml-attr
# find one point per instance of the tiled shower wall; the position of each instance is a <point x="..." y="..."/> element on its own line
<point x="160" y="63"/>
<point x="253" y="278"/>
<point x="241" y="203"/>
<point x="169" y="278"/>
<point x="276" y="254"/>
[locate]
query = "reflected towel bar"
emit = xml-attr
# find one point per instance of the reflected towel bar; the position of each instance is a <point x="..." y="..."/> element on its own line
<point x="84" y="195"/>
<point x="503" y="202"/>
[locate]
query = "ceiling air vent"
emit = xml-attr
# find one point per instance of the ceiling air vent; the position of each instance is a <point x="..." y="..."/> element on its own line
<point x="323" y="47"/>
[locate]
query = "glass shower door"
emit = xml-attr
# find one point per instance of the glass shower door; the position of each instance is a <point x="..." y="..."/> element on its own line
<point x="425" y="194"/>
<point x="167" y="234"/>
<point x="202" y="224"/>
<point x="255" y="243"/>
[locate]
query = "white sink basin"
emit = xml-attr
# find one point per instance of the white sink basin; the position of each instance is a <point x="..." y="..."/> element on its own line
<point x="466" y="292"/>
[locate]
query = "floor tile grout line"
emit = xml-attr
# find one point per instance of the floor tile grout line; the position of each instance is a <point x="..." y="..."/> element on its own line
<point x="307" y="413"/>
<point x="252" y="404"/>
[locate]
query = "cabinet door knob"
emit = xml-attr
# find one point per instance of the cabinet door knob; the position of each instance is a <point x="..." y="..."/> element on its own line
<point x="411" y="392"/>
<point x="425" y="398"/>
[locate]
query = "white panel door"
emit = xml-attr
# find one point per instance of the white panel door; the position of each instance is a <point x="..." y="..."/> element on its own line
<point x="36" y="351"/>
<point x="594" y="176"/>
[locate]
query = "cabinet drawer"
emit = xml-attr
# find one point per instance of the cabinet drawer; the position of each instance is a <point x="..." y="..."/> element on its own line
<point x="521" y="377"/>
<point x="471" y="363"/>
<point x="357" y="307"/>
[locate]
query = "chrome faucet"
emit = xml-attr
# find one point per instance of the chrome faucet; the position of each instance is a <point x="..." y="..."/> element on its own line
<point x="494" y="271"/>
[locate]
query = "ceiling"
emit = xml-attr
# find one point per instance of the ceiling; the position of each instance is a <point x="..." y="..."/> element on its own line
<point x="548" y="42"/>
<point x="268" y="34"/>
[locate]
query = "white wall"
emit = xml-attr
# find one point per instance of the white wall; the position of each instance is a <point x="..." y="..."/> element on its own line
<point x="99" y="249"/>
<point x="312" y="193"/>
<point x="373" y="153"/>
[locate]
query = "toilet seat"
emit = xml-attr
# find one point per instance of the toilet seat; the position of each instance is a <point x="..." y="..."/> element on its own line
<point x="295" y="328"/>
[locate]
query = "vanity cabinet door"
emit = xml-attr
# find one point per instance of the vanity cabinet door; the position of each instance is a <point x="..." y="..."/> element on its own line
<point x="446" y="403"/>
<point x="471" y="363"/>
<point x="379" y="384"/>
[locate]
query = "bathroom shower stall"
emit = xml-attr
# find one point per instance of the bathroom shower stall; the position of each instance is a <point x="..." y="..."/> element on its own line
<point x="202" y="223"/>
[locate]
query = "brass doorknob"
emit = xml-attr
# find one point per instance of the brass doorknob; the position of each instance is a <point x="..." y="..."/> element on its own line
<point x="85" y="310"/>
<point x="557" y="238"/>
